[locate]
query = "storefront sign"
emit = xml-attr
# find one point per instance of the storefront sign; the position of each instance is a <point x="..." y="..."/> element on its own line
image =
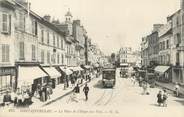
<point x="7" y="71"/>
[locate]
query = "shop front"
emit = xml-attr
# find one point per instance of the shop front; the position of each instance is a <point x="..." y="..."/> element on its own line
<point x="29" y="77"/>
<point x="178" y="74"/>
<point x="67" y="71"/>
<point x="54" y="75"/>
<point x="164" y="73"/>
<point x="7" y="79"/>
<point x="66" y="74"/>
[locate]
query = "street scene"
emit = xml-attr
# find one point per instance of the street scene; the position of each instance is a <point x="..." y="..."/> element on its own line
<point x="89" y="57"/>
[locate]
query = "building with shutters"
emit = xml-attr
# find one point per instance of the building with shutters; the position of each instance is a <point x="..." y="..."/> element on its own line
<point x="27" y="42"/>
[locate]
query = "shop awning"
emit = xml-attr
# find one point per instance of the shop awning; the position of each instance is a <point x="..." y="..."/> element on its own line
<point x="87" y="67"/>
<point x="76" y="69"/>
<point x="124" y="64"/>
<point x="67" y="71"/>
<point x="27" y="74"/>
<point x="53" y="73"/>
<point x="161" y="69"/>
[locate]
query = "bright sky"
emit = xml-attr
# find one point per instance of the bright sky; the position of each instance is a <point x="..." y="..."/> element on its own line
<point x="111" y="23"/>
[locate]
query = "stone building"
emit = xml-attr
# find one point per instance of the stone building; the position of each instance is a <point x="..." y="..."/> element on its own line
<point x="28" y="43"/>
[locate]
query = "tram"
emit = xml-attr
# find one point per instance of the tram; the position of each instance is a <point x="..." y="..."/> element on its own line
<point x="109" y="77"/>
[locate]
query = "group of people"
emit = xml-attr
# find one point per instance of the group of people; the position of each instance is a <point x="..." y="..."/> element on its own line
<point x="18" y="98"/>
<point x="76" y="91"/>
<point x="162" y="98"/>
<point x="43" y="92"/>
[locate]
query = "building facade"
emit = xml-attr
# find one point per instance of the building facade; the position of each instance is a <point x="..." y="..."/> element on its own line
<point x="178" y="46"/>
<point x="125" y="56"/>
<point x="144" y="52"/>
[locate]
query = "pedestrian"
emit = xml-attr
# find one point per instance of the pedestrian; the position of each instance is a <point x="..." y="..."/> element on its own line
<point x="177" y="88"/>
<point x="165" y="98"/>
<point x="159" y="98"/>
<point x="67" y="81"/>
<point x="72" y="81"/>
<point x="77" y="89"/>
<point x="86" y="90"/>
<point x="145" y="87"/>
<point x="133" y="79"/>
<point x="49" y="92"/>
<point x="7" y="99"/>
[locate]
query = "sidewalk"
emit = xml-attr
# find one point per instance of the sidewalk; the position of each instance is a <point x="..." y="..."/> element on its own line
<point x="58" y="93"/>
<point x="170" y="86"/>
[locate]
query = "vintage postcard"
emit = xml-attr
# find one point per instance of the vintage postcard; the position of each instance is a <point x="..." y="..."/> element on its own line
<point x="86" y="58"/>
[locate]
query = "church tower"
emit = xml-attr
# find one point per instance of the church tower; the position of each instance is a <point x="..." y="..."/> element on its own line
<point x="68" y="17"/>
<point x="68" y="21"/>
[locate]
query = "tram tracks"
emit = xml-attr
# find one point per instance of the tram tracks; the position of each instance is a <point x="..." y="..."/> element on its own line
<point x="105" y="98"/>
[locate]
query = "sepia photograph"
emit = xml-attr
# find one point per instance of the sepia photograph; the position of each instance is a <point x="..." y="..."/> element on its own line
<point x="95" y="58"/>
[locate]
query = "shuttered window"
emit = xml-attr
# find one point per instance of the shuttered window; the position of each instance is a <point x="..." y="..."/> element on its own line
<point x="48" y="57"/>
<point x="42" y="56"/>
<point x="42" y="36"/>
<point x="22" y="22"/>
<point x="34" y="27"/>
<point x="62" y="44"/>
<point x="33" y="52"/>
<point x="58" y="59"/>
<point x="54" y="41"/>
<point x="21" y="51"/>
<point x="6" y="23"/>
<point x="58" y="41"/>
<point x="5" y="53"/>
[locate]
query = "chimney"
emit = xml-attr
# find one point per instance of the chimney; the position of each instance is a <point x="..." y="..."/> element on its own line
<point x="156" y="27"/>
<point x="77" y="22"/>
<point x="47" y="17"/>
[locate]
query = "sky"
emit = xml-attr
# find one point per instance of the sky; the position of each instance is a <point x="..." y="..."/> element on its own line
<point x="111" y="24"/>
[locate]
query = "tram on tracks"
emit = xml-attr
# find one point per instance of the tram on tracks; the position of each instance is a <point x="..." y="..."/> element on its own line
<point x="109" y="77"/>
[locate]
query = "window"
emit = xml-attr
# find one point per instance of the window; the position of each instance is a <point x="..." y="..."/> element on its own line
<point x="42" y="57"/>
<point x="167" y="44"/>
<point x="34" y="27"/>
<point x="21" y="50"/>
<point x="54" y="41"/>
<point x="22" y="21"/>
<point x="33" y="52"/>
<point x="58" y="41"/>
<point x="48" y="57"/>
<point x="58" y="60"/>
<point x="5" y="53"/>
<point x="54" y="58"/>
<point x="177" y="21"/>
<point x="6" y="23"/>
<point x="42" y="36"/>
<point x="48" y="39"/>
<point x="62" y="56"/>
<point x="177" y="58"/>
<point x="62" y="44"/>
<point x="178" y="36"/>
<point x="5" y="82"/>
